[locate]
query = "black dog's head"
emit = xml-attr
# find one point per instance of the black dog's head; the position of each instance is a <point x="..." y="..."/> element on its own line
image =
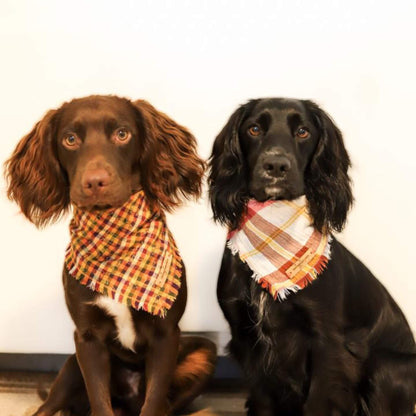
<point x="280" y="149"/>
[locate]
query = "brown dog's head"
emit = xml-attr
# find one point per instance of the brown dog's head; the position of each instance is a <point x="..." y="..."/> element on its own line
<point x="95" y="152"/>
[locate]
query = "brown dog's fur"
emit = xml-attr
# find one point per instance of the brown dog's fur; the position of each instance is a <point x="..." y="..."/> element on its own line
<point x="95" y="152"/>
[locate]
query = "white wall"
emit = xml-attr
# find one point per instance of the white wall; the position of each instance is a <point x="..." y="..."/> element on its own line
<point x="197" y="61"/>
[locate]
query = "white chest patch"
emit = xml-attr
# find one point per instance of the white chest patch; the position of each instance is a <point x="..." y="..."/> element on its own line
<point x="123" y="320"/>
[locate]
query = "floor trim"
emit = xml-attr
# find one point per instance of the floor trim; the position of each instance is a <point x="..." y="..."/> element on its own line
<point x="226" y="368"/>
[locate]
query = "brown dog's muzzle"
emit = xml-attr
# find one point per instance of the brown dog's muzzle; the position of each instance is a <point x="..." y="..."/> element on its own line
<point x="99" y="183"/>
<point x="95" y="182"/>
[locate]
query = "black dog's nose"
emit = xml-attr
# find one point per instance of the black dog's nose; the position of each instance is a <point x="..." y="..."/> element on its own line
<point x="276" y="165"/>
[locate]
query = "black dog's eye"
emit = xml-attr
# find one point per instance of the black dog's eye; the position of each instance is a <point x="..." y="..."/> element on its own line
<point x="302" y="133"/>
<point x="71" y="141"/>
<point x="254" y="130"/>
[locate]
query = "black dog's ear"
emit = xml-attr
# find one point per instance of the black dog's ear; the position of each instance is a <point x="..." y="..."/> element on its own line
<point x="328" y="186"/>
<point x="228" y="173"/>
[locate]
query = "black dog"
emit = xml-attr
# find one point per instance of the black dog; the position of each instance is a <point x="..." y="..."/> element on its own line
<point x="341" y="346"/>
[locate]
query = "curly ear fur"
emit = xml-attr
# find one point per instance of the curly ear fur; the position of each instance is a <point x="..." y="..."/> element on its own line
<point x="228" y="173"/>
<point x="34" y="177"/>
<point x="170" y="166"/>
<point x="327" y="184"/>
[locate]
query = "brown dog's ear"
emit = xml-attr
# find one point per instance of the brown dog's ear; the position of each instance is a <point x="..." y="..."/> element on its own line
<point x="170" y="166"/>
<point x="34" y="177"/>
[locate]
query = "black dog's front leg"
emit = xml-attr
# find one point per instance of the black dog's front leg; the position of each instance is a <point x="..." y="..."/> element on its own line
<point x="334" y="375"/>
<point x="259" y="403"/>
<point x="94" y="361"/>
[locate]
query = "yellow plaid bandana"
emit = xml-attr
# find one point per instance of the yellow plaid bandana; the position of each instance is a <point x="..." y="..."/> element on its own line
<point x="281" y="247"/>
<point x="127" y="254"/>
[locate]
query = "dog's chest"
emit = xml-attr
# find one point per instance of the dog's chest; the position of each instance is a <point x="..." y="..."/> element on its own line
<point x="123" y="320"/>
<point x="261" y="306"/>
<point x="273" y="320"/>
<point x="281" y="345"/>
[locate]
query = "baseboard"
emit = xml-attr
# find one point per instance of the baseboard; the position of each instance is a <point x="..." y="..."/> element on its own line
<point x="226" y="368"/>
<point x="32" y="362"/>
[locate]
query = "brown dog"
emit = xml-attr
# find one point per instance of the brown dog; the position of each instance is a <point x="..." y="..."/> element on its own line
<point x="96" y="152"/>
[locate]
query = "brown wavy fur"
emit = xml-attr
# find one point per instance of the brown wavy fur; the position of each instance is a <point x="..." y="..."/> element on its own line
<point x="172" y="148"/>
<point x="35" y="180"/>
<point x="171" y="169"/>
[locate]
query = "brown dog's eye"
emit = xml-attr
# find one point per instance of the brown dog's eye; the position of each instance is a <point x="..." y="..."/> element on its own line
<point x="122" y="135"/>
<point x="302" y="133"/>
<point x="254" y="130"/>
<point x="71" y="141"/>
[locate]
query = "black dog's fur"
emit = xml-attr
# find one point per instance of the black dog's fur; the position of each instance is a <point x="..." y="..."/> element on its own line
<point x="341" y="346"/>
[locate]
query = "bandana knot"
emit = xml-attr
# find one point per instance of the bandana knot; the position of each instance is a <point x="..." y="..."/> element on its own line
<point x="280" y="245"/>
<point x="127" y="254"/>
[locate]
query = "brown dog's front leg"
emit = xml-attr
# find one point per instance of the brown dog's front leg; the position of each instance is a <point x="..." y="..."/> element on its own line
<point x="94" y="361"/>
<point x="160" y="365"/>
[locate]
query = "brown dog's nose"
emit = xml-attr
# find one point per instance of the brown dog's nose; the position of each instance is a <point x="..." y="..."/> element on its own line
<point x="95" y="180"/>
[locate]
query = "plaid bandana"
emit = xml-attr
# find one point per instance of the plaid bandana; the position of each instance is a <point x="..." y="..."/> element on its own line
<point x="280" y="246"/>
<point x="127" y="254"/>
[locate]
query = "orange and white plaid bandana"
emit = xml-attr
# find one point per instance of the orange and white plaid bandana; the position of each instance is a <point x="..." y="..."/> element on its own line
<point x="281" y="247"/>
<point x="127" y="254"/>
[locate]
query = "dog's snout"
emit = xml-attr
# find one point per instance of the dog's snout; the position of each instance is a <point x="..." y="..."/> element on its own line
<point x="276" y="165"/>
<point x="95" y="180"/>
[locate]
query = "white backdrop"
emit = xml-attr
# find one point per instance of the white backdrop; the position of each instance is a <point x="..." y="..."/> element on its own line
<point x="197" y="61"/>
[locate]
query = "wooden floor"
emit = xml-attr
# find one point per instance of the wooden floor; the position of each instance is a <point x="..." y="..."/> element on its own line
<point x="18" y="395"/>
